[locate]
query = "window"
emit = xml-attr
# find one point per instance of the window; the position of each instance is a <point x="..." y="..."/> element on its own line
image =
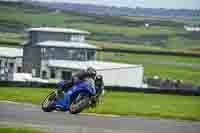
<point x="44" y="53"/>
<point x="82" y="38"/>
<point x="2" y="71"/>
<point x="77" y="38"/>
<point x="53" y="73"/>
<point x="91" y="55"/>
<point x="44" y="75"/>
<point x="52" y="49"/>
<point x="80" y="55"/>
<point x="6" y="64"/>
<point x="19" y="69"/>
<point x="43" y="50"/>
<point x="66" y="75"/>
<point x="33" y="72"/>
<point x="67" y="37"/>
<point x="75" y="54"/>
<point x="11" y="65"/>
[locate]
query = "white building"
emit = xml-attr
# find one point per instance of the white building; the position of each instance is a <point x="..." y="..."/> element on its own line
<point x="192" y="28"/>
<point x="10" y="62"/>
<point x="58" y="54"/>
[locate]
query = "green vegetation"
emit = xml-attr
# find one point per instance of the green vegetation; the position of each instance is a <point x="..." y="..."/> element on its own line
<point x="19" y="130"/>
<point x="123" y="46"/>
<point x="151" y="105"/>
<point x="122" y="103"/>
<point x="164" y="34"/>
<point x="192" y="20"/>
<point x="173" y="67"/>
<point x="167" y="34"/>
<point x="153" y="58"/>
<point x="29" y="95"/>
<point x="9" y="39"/>
<point x="126" y="30"/>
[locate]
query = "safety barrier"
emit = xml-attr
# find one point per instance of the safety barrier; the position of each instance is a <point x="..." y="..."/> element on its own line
<point x="179" y="91"/>
<point x="167" y="53"/>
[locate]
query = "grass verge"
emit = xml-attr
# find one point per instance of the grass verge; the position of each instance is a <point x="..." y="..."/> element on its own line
<point x="172" y="67"/>
<point x="121" y="103"/>
<point x="19" y="130"/>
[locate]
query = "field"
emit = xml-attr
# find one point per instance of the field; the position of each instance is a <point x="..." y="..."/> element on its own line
<point x="19" y="130"/>
<point x="172" y="67"/>
<point x="166" y="34"/>
<point x="122" y="103"/>
<point x="116" y="33"/>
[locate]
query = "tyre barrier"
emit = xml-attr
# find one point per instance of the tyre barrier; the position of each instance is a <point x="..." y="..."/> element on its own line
<point x="154" y="90"/>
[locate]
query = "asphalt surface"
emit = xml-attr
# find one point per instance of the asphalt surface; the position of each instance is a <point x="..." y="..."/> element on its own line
<point x="24" y="115"/>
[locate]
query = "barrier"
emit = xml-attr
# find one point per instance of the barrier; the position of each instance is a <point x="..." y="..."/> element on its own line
<point x="179" y="91"/>
<point x="167" y="53"/>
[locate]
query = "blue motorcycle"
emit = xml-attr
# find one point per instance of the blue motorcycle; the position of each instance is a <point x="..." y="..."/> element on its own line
<point x="75" y="100"/>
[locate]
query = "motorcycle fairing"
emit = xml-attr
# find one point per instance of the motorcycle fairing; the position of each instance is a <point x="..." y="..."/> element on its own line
<point x="79" y="87"/>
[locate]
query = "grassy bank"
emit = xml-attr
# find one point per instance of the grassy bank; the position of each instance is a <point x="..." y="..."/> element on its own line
<point x="19" y="130"/>
<point x="29" y="95"/>
<point x="167" y="34"/>
<point x="122" y="103"/>
<point x="150" y="105"/>
<point x="173" y="67"/>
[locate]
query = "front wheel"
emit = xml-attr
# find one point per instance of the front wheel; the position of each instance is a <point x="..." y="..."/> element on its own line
<point x="78" y="106"/>
<point x="47" y="103"/>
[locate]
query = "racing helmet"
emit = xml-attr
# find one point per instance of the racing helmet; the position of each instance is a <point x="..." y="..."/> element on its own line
<point x="91" y="72"/>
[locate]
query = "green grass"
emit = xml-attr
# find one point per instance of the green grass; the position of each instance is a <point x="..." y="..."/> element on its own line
<point x="106" y="31"/>
<point x="122" y="103"/>
<point x="129" y="31"/>
<point x="151" y="105"/>
<point x="7" y="38"/>
<point x="28" y="95"/>
<point x="188" y="46"/>
<point x="124" y="46"/>
<point x="102" y="28"/>
<point x="191" y="20"/>
<point x="19" y="130"/>
<point x="178" y="42"/>
<point x="153" y="67"/>
<point x="155" y="58"/>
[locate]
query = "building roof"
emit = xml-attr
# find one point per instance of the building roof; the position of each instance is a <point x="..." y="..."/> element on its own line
<point x="56" y="29"/>
<point x="11" y="52"/>
<point x="66" y="44"/>
<point x="82" y="65"/>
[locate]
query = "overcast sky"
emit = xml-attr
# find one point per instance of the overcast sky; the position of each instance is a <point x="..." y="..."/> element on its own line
<point x="176" y="4"/>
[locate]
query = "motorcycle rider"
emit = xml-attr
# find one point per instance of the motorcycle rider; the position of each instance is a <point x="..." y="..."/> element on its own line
<point x="88" y="76"/>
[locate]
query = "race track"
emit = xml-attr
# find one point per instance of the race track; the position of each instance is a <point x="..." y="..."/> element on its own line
<point x="24" y="115"/>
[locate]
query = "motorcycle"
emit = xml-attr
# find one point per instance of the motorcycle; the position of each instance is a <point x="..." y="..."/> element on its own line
<point x="75" y="100"/>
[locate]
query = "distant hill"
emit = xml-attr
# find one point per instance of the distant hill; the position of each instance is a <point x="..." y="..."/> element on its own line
<point x="122" y="11"/>
<point x="162" y="33"/>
